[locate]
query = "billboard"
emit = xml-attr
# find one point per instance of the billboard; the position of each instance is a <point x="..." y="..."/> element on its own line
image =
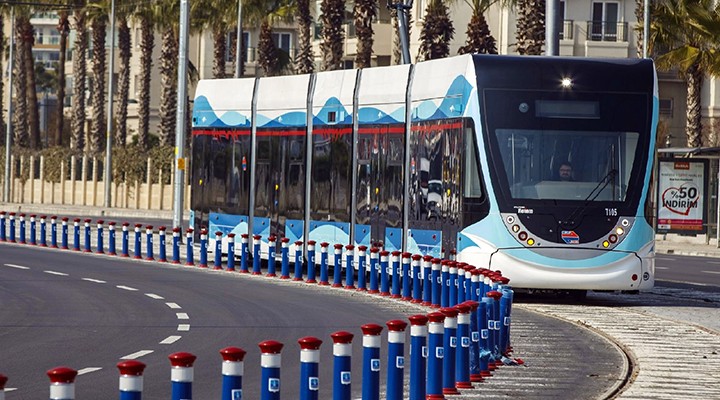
<point x="682" y="196"/>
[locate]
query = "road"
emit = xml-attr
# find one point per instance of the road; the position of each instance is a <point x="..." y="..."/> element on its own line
<point x="700" y="273"/>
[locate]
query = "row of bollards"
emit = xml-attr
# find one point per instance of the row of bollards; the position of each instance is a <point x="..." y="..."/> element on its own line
<point x="444" y="348"/>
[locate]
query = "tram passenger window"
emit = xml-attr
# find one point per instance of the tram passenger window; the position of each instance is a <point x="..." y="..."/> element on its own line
<point x="473" y="188"/>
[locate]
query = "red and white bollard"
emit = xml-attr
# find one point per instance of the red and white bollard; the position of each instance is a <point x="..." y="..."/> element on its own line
<point x="62" y="383"/>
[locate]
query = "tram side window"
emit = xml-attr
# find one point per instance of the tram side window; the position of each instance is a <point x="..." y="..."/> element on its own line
<point x="472" y="187"/>
<point x="218" y="166"/>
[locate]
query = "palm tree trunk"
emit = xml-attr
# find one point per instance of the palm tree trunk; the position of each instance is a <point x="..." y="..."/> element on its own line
<point x="693" y="129"/>
<point x="304" y="61"/>
<point x="20" y="132"/>
<point x="33" y="118"/>
<point x="121" y="112"/>
<point x="98" y="94"/>
<point x="147" y="43"/>
<point x="333" y="34"/>
<point x="168" y="86"/>
<point x="63" y="28"/>
<point x="77" y="141"/>
<point x="219" y="33"/>
<point x="2" y="81"/>
<point x="365" y="11"/>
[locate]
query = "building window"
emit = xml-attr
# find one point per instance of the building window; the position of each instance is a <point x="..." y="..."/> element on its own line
<point x="666" y="107"/>
<point x="604" y="21"/>
<point x="229" y="50"/>
<point x="282" y="41"/>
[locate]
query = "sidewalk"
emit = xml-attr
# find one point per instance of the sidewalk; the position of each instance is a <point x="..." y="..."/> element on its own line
<point x="686" y="245"/>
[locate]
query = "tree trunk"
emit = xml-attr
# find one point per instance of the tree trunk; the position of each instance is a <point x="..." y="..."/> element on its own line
<point x="147" y="43"/>
<point x="693" y="128"/>
<point x="168" y="87"/>
<point x="305" y="59"/>
<point x="333" y="34"/>
<point x="20" y="132"/>
<point x="123" y="90"/>
<point x="77" y="141"/>
<point x="63" y="28"/>
<point x="365" y="11"/>
<point x="33" y="118"/>
<point x="219" y="49"/>
<point x="99" y="69"/>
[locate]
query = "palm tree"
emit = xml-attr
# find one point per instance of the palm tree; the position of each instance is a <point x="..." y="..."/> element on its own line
<point x="27" y="62"/>
<point x="98" y="15"/>
<point x="143" y="14"/>
<point x="436" y="33"/>
<point x="364" y="13"/>
<point x="2" y="50"/>
<point x="272" y="59"/>
<point x="167" y="15"/>
<point x="333" y="33"/>
<point x="304" y="60"/>
<point x="685" y="33"/>
<point x="479" y="39"/>
<point x="77" y="140"/>
<point x="530" y="33"/>
<point x="123" y="89"/>
<point x="397" y="45"/>
<point x="63" y="28"/>
<point x="267" y="51"/>
<point x="20" y="131"/>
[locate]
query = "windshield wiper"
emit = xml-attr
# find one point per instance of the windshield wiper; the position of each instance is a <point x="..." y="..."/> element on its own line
<point x="610" y="176"/>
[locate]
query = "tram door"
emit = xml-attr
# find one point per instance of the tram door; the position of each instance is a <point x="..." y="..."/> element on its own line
<point x="379" y="196"/>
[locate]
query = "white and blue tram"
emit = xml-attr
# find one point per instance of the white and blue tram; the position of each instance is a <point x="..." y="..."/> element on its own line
<point x="458" y="155"/>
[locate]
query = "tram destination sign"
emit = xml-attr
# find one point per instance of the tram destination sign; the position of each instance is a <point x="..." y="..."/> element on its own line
<point x="682" y="194"/>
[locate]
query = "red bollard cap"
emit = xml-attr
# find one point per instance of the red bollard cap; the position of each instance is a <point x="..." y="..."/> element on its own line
<point x="88" y="220"/>
<point x="342" y="337"/>
<point x="245" y="235"/>
<point x="396" y="253"/>
<point x="33" y="215"/>
<point x="462" y="308"/>
<point x="131" y="367"/>
<point x="396" y="325"/>
<point x="3" y="378"/>
<point x="285" y="240"/>
<point x="53" y="217"/>
<point x="384" y="253"/>
<point x="371" y="329"/>
<point x="311" y="243"/>
<point x="418" y="320"/>
<point x="138" y="225"/>
<point x="406" y="255"/>
<point x="473" y="304"/>
<point x="74" y="220"/>
<point x="362" y="248"/>
<point x="62" y="375"/>
<point x="43" y="217"/>
<point x="162" y="228"/>
<point x="203" y="231"/>
<point x="12" y="213"/>
<point x="272" y="238"/>
<point x="427" y="258"/>
<point x="218" y="233"/>
<point x="416" y="257"/>
<point x="235" y="354"/>
<point x="257" y="237"/>
<point x="149" y="227"/>
<point x="374" y="250"/>
<point x="190" y="230"/>
<point x="22" y="215"/>
<point x="182" y="359"/>
<point x="123" y="224"/>
<point x="324" y="244"/>
<point x="310" y="343"/>
<point x="349" y="247"/>
<point x="436" y="317"/>
<point x="494" y="294"/>
<point x="299" y="243"/>
<point x="338" y="246"/>
<point x="270" y="347"/>
<point x="436" y="261"/>
<point x="504" y="280"/>
<point x="449" y="312"/>
<point x="100" y="222"/>
<point x="231" y="235"/>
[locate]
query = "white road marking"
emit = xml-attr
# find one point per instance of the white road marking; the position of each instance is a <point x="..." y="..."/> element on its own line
<point x="55" y="273"/>
<point x="126" y="288"/>
<point x="182" y="315"/>
<point x="171" y="339"/>
<point x="154" y="296"/>
<point x="173" y="305"/>
<point x="183" y="327"/>
<point x="93" y="280"/>
<point x="16" y="266"/>
<point x="137" y="354"/>
<point x="711" y="272"/>
<point x="88" y="370"/>
<point x="662" y="268"/>
<point x="713" y="262"/>
<point x="10" y="389"/>
<point x="665" y="258"/>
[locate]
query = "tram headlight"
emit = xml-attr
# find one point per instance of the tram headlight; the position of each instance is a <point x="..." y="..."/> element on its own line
<point x="619" y="231"/>
<point x="522" y="235"/>
<point x="612" y="238"/>
<point x="530" y="242"/>
<point x="566" y="83"/>
<point x="606" y="244"/>
<point x="516" y="228"/>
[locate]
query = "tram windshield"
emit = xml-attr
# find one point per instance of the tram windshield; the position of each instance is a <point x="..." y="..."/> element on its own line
<point x="567" y="165"/>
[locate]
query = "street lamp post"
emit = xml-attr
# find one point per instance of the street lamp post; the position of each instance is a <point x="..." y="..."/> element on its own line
<point x="180" y="121"/>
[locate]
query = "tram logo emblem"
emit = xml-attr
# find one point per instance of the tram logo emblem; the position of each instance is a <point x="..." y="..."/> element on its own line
<point x="570" y="237"/>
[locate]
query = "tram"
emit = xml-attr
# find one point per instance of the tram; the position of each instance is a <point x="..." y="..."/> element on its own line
<point x="452" y="157"/>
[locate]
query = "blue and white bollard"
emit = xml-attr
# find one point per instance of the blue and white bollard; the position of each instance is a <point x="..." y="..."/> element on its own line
<point x="435" y="356"/>
<point x="311" y="262"/>
<point x="149" y="254"/>
<point x="53" y="232"/>
<point x="427" y="285"/>
<point x="362" y="268"/>
<point x="162" y="257"/>
<point x="337" y="267"/>
<point x="445" y="285"/>
<point x="396" y="274"/>
<point x="460" y="283"/>
<point x="138" y="242"/>
<point x="495" y="353"/>
<point x="505" y="311"/>
<point x="11" y="236"/>
<point x="298" y="261"/>
<point x="131" y="379"/>
<point x="371" y="361"/>
<point x="309" y="368"/>
<point x="396" y="359"/>
<point x="88" y="243"/>
<point x="33" y="230"/>
<point x="270" y="360"/>
<point x="181" y="375"/>
<point x="284" y="258"/>
<point x="203" y="248"/>
<point x="22" y="229"/>
<point x="406" y="276"/>
<point x="462" y="359"/>
<point x="475" y="375"/>
<point x="218" y="251"/>
<point x="176" y="245"/>
<point x="272" y="240"/>
<point x="62" y="383"/>
<point x="350" y="266"/>
<point x="3" y="237"/>
<point x="417" y="278"/>
<point x="231" y="252"/>
<point x="450" y="344"/>
<point x="100" y="248"/>
<point x="125" y="240"/>
<point x="453" y="285"/>
<point x="256" y="254"/>
<point x="384" y="273"/>
<point x="244" y="253"/>
<point x="342" y="356"/>
<point x="43" y="231"/>
<point x="64" y="234"/>
<point x="324" y="264"/>
<point x="418" y="343"/>
<point x="189" y="256"/>
<point x="374" y="261"/>
<point x="76" y="234"/>
<point x="233" y="368"/>
<point x="484" y="321"/>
